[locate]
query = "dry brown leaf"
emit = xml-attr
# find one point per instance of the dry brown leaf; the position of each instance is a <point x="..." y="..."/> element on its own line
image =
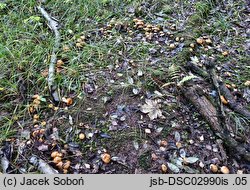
<point x="152" y="108"/>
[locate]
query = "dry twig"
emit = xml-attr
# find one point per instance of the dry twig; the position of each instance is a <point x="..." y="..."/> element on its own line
<point x="53" y="24"/>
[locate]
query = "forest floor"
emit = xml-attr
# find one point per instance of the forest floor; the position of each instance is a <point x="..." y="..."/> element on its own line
<point x="121" y="64"/>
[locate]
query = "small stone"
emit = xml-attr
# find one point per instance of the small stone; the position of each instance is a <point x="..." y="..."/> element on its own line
<point x="162" y="149"/>
<point x="119" y="74"/>
<point x="123" y="118"/>
<point x="136" y="91"/>
<point x="240" y="172"/>
<point x="215" y="149"/>
<point x="148" y="131"/>
<point x="70" y="31"/>
<point x="191" y="141"/>
<point x="90" y="135"/>
<point x="158" y="130"/>
<point x="201" y="138"/>
<point x="79" y="40"/>
<point x="87" y="166"/>
<point x="201" y="164"/>
<point x="136" y="145"/>
<point x="209" y="147"/>
<point x="139" y="73"/>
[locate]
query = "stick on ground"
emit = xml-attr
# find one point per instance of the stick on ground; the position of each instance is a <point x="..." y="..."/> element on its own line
<point x="54" y="27"/>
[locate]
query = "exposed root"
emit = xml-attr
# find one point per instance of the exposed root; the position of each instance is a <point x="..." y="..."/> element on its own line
<point x="232" y="104"/>
<point x="208" y="111"/>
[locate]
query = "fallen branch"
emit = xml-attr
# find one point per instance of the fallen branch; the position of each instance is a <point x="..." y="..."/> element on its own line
<point x="219" y="105"/>
<point x="53" y="24"/>
<point x="5" y="163"/>
<point x="5" y="157"/>
<point x="42" y="166"/>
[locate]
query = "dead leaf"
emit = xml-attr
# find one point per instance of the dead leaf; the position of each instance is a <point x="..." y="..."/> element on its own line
<point x="247" y="83"/>
<point x="194" y="60"/>
<point x="43" y="147"/>
<point x="173" y="168"/>
<point x="191" y="160"/>
<point x="152" y="108"/>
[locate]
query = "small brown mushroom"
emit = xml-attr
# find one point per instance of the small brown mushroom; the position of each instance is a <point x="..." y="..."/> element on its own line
<point x="224" y="170"/>
<point x="164" y="168"/>
<point x="54" y="154"/>
<point x="57" y="159"/>
<point x="213" y="168"/>
<point x="81" y="136"/>
<point x="66" y="165"/>
<point x="106" y="158"/>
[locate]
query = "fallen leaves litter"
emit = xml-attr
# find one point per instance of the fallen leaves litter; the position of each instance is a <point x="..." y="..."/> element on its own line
<point x="152" y="108"/>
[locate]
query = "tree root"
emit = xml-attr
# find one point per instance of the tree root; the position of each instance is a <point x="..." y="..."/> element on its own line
<point x="198" y="98"/>
<point x="232" y="104"/>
